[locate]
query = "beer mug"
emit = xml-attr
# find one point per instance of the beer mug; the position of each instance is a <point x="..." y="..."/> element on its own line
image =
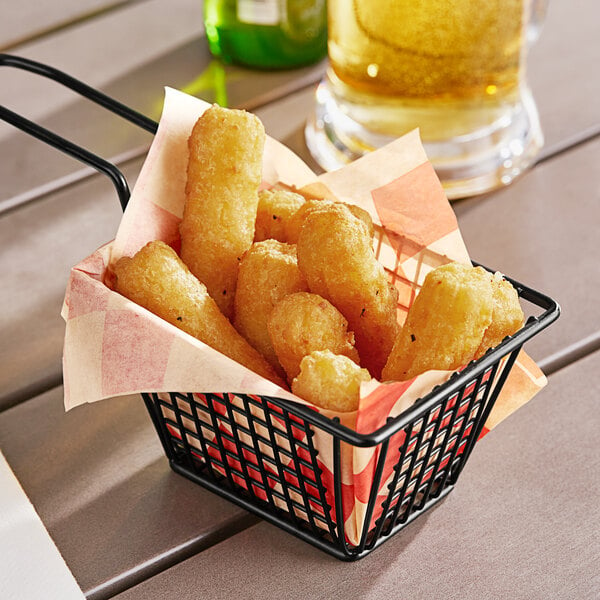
<point x="454" y="69"/>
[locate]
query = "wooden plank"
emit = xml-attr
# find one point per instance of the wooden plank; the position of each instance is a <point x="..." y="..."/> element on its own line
<point x="101" y="484"/>
<point x="40" y="242"/>
<point x="519" y="524"/>
<point x="29" y="19"/>
<point x="138" y="34"/>
<point x="560" y="70"/>
<point x="104" y="48"/>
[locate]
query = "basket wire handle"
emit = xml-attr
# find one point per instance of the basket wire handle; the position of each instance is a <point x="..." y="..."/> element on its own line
<point x="62" y="144"/>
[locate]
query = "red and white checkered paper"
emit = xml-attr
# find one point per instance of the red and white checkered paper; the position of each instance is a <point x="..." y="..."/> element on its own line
<point x="114" y="347"/>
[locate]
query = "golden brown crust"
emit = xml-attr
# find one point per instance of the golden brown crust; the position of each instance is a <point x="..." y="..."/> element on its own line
<point x="449" y="319"/>
<point x="268" y="272"/>
<point x="301" y="323"/>
<point x="507" y="315"/>
<point x="330" y="381"/>
<point x="335" y="254"/>
<point x="223" y="177"/>
<point x="296" y="221"/>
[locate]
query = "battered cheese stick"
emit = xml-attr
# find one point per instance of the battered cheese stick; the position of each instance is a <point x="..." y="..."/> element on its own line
<point x="268" y="272"/>
<point x="158" y="280"/>
<point x="335" y="254"/>
<point x="330" y="381"/>
<point x="303" y="322"/>
<point x="223" y="176"/>
<point x="460" y="312"/>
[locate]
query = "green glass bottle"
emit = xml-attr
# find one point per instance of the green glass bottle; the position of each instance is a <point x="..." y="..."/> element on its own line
<point x="267" y="34"/>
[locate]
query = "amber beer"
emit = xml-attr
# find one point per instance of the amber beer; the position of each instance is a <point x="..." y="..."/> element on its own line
<point x="454" y="69"/>
<point x="448" y="65"/>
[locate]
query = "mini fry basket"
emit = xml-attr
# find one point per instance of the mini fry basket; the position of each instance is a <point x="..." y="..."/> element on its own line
<point x="284" y="461"/>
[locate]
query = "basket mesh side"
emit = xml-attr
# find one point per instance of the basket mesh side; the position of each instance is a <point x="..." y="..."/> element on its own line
<point x="252" y="447"/>
<point x="265" y="455"/>
<point x="426" y="457"/>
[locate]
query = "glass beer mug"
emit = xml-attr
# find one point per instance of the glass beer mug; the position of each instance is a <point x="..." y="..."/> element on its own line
<point x="455" y="69"/>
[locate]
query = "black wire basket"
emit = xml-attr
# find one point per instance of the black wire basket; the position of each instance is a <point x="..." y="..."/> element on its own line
<point x="267" y="454"/>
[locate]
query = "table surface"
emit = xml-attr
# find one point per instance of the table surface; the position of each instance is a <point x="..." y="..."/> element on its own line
<point x="524" y="521"/>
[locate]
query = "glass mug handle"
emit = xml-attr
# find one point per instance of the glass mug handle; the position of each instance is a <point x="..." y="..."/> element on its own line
<point x="536" y="16"/>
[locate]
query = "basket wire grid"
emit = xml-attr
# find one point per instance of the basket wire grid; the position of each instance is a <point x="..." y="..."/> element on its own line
<point x="260" y="452"/>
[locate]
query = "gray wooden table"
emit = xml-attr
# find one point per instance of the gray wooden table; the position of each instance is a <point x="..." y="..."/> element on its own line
<point x="524" y="521"/>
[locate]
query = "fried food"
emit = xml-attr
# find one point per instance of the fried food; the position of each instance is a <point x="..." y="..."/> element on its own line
<point x="301" y="323"/>
<point x="295" y="222"/>
<point x="449" y="319"/>
<point x="223" y="175"/>
<point x="330" y="381"/>
<point x="275" y="208"/>
<point x="507" y="315"/>
<point x="157" y="279"/>
<point x="336" y="256"/>
<point x="268" y="272"/>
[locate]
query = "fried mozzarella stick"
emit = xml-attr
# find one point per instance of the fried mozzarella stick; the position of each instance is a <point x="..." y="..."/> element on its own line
<point x="268" y="272"/>
<point x="158" y="280"/>
<point x="301" y="323"/>
<point x="335" y="254"/>
<point x="460" y="312"/>
<point x="223" y="175"/>
<point x="330" y="381"/>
